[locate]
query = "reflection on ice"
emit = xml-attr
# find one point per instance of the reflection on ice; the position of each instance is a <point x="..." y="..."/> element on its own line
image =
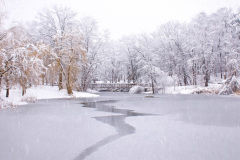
<point x="119" y="124"/>
<point x="117" y="121"/>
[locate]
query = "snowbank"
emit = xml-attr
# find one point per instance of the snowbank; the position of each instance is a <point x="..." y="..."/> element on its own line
<point x="211" y="89"/>
<point x="92" y="91"/>
<point x="39" y="92"/>
<point x="49" y="92"/>
<point x="136" y="90"/>
<point x="229" y="86"/>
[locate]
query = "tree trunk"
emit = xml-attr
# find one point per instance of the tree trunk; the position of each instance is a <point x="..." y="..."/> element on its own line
<point x="225" y="74"/>
<point x="24" y="90"/>
<point x="52" y="82"/>
<point x="69" y="85"/>
<point x="84" y="80"/>
<point x="185" y="81"/>
<point x="206" y="79"/>
<point x="112" y="75"/>
<point x="0" y="84"/>
<point x="7" y="90"/>
<point x="60" y="86"/>
<point x="43" y="80"/>
<point x="153" y="90"/>
<point x="221" y="64"/>
<point x="194" y="75"/>
<point x="69" y="89"/>
<point x="85" y="84"/>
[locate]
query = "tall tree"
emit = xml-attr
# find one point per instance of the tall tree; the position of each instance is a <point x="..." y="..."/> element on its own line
<point x="94" y="43"/>
<point x="54" y="26"/>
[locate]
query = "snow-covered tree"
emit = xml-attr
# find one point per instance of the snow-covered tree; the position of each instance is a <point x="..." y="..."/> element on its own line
<point x="171" y="42"/>
<point x="147" y="55"/>
<point x="19" y="57"/>
<point x="94" y="44"/>
<point x="53" y="27"/>
<point x="130" y="59"/>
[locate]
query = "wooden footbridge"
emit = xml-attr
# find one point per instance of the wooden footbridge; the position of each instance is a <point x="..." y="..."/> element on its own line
<point x="118" y="87"/>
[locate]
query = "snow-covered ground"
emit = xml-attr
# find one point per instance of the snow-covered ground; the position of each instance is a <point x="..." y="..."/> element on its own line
<point x="212" y="88"/>
<point x="40" y="92"/>
<point x="49" y="92"/>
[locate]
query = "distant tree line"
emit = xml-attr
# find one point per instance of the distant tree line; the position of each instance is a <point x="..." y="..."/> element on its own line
<point x="59" y="49"/>
<point x="208" y="46"/>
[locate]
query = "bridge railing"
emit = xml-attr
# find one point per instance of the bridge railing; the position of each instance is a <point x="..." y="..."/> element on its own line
<point x="117" y="85"/>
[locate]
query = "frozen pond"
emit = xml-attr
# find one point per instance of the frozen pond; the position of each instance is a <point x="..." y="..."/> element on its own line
<point x="116" y="121"/>
<point x="123" y="126"/>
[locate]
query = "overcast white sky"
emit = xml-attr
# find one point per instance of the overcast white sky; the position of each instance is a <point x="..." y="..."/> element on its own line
<point x="122" y="17"/>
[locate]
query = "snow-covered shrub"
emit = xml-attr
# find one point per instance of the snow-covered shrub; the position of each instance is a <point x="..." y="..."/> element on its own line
<point x="231" y="86"/>
<point x="203" y="91"/>
<point x="91" y="91"/>
<point x="136" y="90"/>
<point x="234" y="85"/>
<point x="225" y="91"/>
<point x="6" y="104"/>
<point x="29" y="99"/>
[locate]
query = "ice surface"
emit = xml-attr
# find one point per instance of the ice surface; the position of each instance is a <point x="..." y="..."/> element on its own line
<point x="49" y="130"/>
<point x="188" y="127"/>
<point x="116" y="121"/>
<point x="183" y="127"/>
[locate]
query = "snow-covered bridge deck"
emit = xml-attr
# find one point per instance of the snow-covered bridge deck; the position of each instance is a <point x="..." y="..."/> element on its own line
<point x="116" y="86"/>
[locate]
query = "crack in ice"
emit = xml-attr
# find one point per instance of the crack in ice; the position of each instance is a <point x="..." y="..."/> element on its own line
<point x="116" y="121"/>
